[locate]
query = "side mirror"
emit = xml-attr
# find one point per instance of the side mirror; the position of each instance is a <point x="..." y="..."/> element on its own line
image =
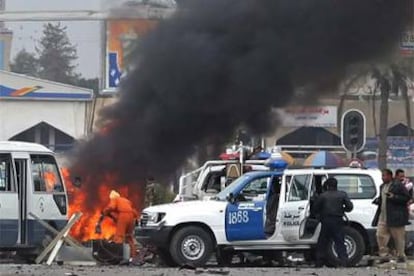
<point x="77" y="181"/>
<point x="230" y="198"/>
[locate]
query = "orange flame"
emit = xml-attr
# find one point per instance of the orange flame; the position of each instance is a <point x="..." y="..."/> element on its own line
<point x="84" y="229"/>
<point x="50" y="180"/>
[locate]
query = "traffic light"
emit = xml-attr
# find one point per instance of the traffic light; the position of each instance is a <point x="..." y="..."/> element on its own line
<point x="353" y="130"/>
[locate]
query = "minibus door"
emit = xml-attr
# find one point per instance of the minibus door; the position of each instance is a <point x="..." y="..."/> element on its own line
<point x="9" y="211"/>
<point x="20" y="165"/>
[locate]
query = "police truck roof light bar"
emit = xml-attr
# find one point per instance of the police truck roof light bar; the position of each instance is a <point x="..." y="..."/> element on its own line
<point x="263" y="155"/>
<point x="276" y="161"/>
<point x="276" y="164"/>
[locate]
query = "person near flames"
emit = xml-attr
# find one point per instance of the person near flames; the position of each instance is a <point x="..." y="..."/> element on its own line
<point x="149" y="192"/>
<point x="125" y="216"/>
<point x="146" y="250"/>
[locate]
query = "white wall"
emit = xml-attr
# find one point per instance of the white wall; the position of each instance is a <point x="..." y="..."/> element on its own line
<point x="19" y="115"/>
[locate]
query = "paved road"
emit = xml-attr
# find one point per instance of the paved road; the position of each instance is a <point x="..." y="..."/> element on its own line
<point x="9" y="269"/>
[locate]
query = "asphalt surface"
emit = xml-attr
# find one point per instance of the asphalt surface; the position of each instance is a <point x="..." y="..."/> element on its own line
<point x="12" y="269"/>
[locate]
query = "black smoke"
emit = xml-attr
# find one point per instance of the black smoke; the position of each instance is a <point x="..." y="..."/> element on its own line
<point x="219" y="64"/>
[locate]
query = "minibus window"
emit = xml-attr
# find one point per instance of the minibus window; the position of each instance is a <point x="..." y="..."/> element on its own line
<point x="45" y="174"/>
<point x="6" y="179"/>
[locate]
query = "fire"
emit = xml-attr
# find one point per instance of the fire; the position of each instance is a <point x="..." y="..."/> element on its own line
<point x="50" y="180"/>
<point x="79" y="201"/>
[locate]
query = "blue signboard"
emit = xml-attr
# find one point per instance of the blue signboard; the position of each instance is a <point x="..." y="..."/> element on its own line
<point x="400" y="152"/>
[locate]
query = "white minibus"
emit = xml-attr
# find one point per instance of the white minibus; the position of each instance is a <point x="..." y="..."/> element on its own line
<point x="30" y="183"/>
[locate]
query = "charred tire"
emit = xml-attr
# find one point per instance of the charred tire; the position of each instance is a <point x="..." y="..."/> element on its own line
<point x="191" y="245"/>
<point x="165" y="258"/>
<point x="355" y="247"/>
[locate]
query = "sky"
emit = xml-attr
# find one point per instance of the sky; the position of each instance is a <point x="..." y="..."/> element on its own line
<point x="85" y="35"/>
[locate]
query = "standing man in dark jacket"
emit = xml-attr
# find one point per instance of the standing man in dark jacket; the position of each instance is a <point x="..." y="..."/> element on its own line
<point x="331" y="207"/>
<point x="392" y="215"/>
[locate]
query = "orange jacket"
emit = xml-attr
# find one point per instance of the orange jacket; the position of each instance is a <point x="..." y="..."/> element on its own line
<point x="120" y="205"/>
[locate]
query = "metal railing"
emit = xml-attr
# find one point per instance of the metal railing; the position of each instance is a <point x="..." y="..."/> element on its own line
<point x="183" y="186"/>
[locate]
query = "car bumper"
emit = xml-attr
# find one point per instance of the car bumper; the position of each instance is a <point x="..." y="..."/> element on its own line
<point x="156" y="236"/>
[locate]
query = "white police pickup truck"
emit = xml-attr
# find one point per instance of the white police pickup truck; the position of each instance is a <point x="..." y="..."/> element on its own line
<point x="263" y="212"/>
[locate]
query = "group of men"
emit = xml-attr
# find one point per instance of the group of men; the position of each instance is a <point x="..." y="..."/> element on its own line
<point x="396" y="194"/>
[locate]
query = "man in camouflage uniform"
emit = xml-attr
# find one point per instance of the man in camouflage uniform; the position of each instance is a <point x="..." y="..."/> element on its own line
<point x="147" y="251"/>
<point x="149" y="192"/>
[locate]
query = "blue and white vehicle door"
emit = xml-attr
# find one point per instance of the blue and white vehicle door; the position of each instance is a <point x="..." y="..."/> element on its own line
<point x="296" y="207"/>
<point x="245" y="221"/>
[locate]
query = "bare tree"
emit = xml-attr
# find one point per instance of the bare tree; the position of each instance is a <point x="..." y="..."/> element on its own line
<point x="400" y="85"/>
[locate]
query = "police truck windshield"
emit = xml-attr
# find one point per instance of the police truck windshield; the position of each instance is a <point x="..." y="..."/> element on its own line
<point x="231" y="188"/>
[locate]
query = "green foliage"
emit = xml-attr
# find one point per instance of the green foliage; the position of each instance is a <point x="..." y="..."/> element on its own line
<point x="56" y="55"/>
<point x="88" y="83"/>
<point x="25" y="63"/>
<point x="54" y="59"/>
<point x="162" y="195"/>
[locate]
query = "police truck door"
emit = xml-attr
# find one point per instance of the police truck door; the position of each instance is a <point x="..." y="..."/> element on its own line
<point x="296" y="206"/>
<point x="245" y="217"/>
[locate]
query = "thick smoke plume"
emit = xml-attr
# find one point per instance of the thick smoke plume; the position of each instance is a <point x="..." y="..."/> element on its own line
<point x="219" y="64"/>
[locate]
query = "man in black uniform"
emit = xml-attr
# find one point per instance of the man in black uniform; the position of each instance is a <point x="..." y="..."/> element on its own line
<point x="331" y="207"/>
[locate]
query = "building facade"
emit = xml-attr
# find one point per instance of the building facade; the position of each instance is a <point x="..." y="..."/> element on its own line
<point x="44" y="112"/>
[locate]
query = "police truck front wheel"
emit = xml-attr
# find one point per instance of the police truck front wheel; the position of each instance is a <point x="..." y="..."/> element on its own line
<point x="355" y="247"/>
<point x="191" y="245"/>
